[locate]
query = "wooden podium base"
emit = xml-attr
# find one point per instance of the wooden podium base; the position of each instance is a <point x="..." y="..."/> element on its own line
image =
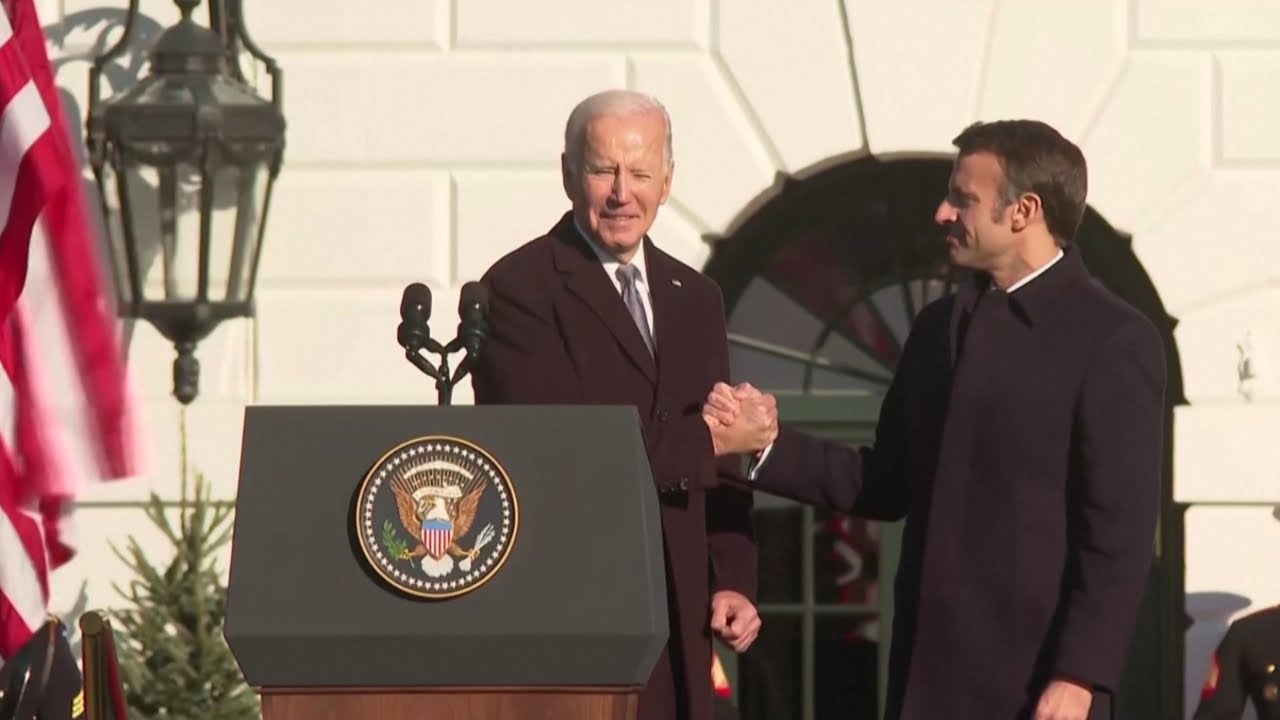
<point x="470" y="703"/>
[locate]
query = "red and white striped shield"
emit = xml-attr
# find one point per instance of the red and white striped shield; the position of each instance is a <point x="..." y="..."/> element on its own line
<point x="437" y="535"/>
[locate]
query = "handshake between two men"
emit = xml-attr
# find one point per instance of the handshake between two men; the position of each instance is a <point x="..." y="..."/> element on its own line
<point x="741" y="419"/>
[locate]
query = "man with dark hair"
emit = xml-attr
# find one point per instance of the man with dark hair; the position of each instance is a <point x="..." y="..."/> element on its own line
<point x="1021" y="439"/>
<point x="1034" y="159"/>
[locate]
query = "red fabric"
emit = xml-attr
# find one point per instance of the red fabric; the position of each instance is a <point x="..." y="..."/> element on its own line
<point x="65" y="416"/>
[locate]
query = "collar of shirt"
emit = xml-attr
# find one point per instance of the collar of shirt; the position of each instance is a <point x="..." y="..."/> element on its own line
<point x="1031" y="297"/>
<point x="1036" y="273"/>
<point x="611" y="263"/>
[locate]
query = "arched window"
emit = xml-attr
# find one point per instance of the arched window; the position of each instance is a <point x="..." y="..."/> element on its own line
<point x="823" y="283"/>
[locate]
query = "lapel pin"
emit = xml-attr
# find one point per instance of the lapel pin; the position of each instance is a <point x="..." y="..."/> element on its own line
<point x="676" y="282"/>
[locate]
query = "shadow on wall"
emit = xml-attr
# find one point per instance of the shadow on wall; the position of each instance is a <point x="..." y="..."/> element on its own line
<point x="75" y="42"/>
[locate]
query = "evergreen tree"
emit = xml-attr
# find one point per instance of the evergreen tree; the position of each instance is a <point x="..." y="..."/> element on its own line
<point x="174" y="662"/>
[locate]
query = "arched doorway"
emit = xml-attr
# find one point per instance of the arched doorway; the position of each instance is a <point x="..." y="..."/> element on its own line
<point x="821" y="285"/>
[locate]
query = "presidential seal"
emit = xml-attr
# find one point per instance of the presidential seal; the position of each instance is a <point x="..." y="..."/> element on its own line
<point x="436" y="517"/>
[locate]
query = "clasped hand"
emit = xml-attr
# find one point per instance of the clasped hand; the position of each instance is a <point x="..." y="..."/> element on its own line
<point x="741" y="419"/>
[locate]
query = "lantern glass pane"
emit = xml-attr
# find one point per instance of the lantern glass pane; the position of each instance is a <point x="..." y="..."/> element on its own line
<point x="172" y="236"/>
<point x="138" y="197"/>
<point x="117" y="241"/>
<point x="241" y="204"/>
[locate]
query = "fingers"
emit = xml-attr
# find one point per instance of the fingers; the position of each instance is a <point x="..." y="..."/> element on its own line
<point x="742" y="418"/>
<point x="723" y="391"/>
<point x="720" y="413"/>
<point x="721" y="398"/>
<point x="760" y="403"/>
<point x="735" y="620"/>
<point x="1064" y="700"/>
<point x="741" y="631"/>
<point x="719" y="617"/>
<point x="721" y="407"/>
<point x="761" y="415"/>
<point x="743" y="628"/>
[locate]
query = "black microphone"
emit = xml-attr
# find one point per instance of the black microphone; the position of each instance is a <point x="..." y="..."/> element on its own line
<point x="415" y="310"/>
<point x="473" y="307"/>
<point x="416" y="302"/>
<point x="413" y="333"/>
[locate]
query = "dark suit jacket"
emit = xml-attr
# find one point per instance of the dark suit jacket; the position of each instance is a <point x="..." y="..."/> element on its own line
<point x="560" y="334"/>
<point x="1022" y="441"/>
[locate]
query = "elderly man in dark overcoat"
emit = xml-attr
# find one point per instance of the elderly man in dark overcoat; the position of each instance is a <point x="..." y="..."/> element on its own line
<point x="1021" y="440"/>
<point x="594" y="312"/>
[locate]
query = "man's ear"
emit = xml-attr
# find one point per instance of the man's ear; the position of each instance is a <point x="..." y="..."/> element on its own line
<point x="566" y="175"/>
<point x="1027" y="209"/>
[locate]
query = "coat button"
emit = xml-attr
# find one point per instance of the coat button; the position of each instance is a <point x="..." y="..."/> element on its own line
<point x="663" y="416"/>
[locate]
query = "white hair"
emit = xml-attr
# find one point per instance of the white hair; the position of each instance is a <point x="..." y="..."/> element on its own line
<point x="615" y="103"/>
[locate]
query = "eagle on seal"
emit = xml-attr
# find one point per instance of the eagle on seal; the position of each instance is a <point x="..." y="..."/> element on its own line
<point x="438" y="509"/>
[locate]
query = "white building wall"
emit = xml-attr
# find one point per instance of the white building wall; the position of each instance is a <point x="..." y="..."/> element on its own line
<point x="423" y="143"/>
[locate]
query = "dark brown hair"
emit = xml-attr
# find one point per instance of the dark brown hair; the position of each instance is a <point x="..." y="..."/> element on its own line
<point x="1035" y="159"/>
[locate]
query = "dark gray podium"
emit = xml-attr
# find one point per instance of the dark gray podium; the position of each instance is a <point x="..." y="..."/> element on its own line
<point x="395" y="562"/>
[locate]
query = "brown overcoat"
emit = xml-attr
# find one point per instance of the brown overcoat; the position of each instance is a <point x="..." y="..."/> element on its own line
<point x="560" y="334"/>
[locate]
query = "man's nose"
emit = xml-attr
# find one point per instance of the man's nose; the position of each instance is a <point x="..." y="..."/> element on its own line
<point x="946" y="213"/>
<point x="621" y="189"/>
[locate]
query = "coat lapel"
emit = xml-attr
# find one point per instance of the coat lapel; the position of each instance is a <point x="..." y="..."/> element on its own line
<point x="665" y="293"/>
<point x="585" y="278"/>
<point x="966" y="299"/>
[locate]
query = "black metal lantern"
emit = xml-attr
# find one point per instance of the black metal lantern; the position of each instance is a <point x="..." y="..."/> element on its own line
<point x="185" y="160"/>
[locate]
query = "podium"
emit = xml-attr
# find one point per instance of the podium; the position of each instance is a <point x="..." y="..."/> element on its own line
<point x="396" y="562"/>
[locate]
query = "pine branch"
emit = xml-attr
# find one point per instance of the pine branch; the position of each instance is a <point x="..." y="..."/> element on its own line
<point x="174" y="660"/>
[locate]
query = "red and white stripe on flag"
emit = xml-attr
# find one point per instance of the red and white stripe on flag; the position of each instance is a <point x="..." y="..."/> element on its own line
<point x="65" y="409"/>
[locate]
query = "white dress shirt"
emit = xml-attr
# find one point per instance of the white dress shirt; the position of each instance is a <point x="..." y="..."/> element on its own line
<point x="1037" y="272"/>
<point x="611" y="266"/>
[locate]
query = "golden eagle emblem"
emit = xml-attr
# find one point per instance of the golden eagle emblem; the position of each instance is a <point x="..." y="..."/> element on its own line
<point x="437" y="505"/>
<point x="436" y="516"/>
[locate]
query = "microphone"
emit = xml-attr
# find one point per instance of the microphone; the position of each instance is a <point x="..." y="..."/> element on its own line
<point x="414" y="333"/>
<point x="473" y="328"/>
<point x="415" y="303"/>
<point x="415" y="310"/>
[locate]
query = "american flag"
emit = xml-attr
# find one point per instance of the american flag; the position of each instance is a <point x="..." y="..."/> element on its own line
<point x="65" y="410"/>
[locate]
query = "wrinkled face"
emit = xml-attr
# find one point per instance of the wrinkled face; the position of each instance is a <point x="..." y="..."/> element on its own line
<point x="977" y="222"/>
<point x="620" y="180"/>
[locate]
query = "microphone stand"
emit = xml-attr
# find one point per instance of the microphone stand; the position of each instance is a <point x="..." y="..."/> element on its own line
<point x="439" y="373"/>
